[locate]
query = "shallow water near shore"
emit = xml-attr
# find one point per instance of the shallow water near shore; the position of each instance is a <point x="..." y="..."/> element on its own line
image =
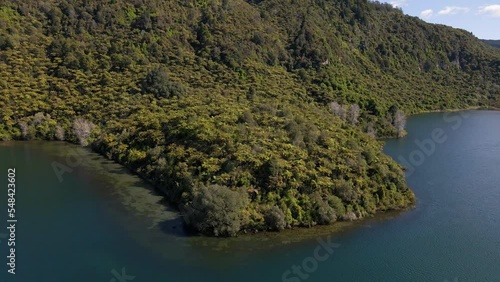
<point x="84" y="218"/>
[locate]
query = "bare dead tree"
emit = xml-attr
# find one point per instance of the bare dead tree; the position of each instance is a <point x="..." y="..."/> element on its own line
<point x="343" y="112"/>
<point x="335" y="107"/>
<point x="82" y="128"/>
<point x="400" y="123"/>
<point x="38" y="118"/>
<point x="371" y="130"/>
<point x="24" y="129"/>
<point x="353" y="114"/>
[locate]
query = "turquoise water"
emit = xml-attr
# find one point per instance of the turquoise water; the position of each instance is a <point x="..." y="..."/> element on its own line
<point x="96" y="222"/>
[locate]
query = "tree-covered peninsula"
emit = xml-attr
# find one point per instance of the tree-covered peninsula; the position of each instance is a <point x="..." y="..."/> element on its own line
<point x="247" y="115"/>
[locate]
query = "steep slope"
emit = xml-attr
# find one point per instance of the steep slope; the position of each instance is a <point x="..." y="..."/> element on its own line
<point x="494" y="43"/>
<point x="248" y="115"/>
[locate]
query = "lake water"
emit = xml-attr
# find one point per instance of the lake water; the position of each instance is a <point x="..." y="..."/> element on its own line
<point x="82" y="218"/>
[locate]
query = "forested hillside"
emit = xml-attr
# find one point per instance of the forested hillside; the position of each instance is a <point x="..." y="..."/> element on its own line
<point x="248" y="115"/>
<point x="494" y="43"/>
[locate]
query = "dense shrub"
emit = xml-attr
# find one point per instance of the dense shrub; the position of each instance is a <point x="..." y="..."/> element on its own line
<point x="275" y="219"/>
<point x="281" y="96"/>
<point x="158" y="83"/>
<point x="216" y="210"/>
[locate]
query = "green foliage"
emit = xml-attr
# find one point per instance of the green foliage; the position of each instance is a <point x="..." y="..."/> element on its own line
<point x="494" y="43"/>
<point x="238" y="94"/>
<point x="158" y="83"/>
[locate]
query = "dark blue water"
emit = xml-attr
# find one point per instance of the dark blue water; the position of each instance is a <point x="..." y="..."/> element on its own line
<point x="98" y="223"/>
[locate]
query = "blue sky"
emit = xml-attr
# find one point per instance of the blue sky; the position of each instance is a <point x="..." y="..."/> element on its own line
<point x="480" y="17"/>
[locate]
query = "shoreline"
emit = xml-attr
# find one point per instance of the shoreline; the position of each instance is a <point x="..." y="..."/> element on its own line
<point x="167" y="205"/>
<point x="382" y="138"/>
<point x="478" y="108"/>
<point x="147" y="198"/>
